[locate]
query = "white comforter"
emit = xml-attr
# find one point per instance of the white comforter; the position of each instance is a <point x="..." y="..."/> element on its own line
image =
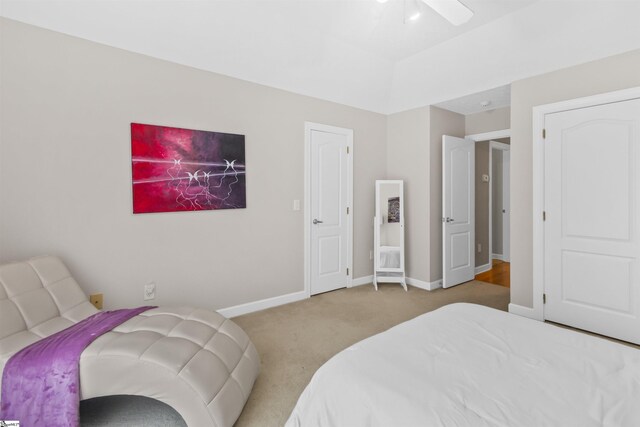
<point x="469" y="365"/>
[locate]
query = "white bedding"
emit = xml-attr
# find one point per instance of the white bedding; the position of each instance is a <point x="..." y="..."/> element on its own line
<point x="390" y="256"/>
<point x="469" y="365"/>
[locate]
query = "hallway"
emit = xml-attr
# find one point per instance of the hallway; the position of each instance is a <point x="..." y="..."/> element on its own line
<point x="499" y="274"/>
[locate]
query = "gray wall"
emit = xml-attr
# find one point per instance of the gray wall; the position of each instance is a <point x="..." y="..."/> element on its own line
<point x="605" y="75"/>
<point x="66" y="105"/>
<point x="65" y="173"/>
<point x="482" y="203"/>
<point x="414" y="154"/>
<point x="408" y="159"/>
<point x="488" y="121"/>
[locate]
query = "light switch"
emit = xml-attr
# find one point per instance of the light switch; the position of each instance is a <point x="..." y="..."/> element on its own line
<point x="485" y="177"/>
<point x="149" y="291"/>
<point x="296" y="205"/>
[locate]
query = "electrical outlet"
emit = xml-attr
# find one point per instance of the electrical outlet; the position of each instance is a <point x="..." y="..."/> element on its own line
<point x="296" y="205"/>
<point x="96" y="300"/>
<point x="479" y="247"/>
<point x="149" y="291"/>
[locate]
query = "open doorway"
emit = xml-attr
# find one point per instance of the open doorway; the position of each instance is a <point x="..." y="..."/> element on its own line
<point x="493" y="211"/>
<point x="467" y="230"/>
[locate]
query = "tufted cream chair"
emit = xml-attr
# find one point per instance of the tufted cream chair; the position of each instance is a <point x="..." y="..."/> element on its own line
<point x="195" y="360"/>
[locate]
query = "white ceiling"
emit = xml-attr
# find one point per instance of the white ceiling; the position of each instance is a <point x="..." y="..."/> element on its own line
<point x="497" y="98"/>
<point x="383" y="30"/>
<point x="546" y="36"/>
<point x="355" y="52"/>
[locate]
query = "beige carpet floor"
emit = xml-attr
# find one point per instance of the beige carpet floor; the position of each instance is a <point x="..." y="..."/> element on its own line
<point x="295" y="339"/>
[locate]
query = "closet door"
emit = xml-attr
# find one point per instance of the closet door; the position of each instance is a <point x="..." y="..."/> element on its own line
<point x="591" y="231"/>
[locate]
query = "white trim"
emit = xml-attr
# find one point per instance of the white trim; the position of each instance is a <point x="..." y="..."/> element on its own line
<point x="494" y="145"/>
<point x="538" y="119"/>
<point x="307" y="210"/>
<point x="588" y="101"/>
<point x="499" y="145"/>
<point x="488" y="136"/>
<point x="499" y="257"/>
<point x="251" y="307"/>
<point x="482" y="268"/>
<point x="497" y="134"/>
<point x="506" y="201"/>
<point x="427" y="286"/>
<point x="521" y="310"/>
<point x="490" y="200"/>
<point x="308" y="127"/>
<point x="364" y="280"/>
<point x="538" y="206"/>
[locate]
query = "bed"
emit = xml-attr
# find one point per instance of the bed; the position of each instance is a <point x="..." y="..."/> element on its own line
<point x="469" y="365"/>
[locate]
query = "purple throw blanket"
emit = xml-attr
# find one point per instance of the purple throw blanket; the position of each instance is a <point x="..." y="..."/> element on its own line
<point x="41" y="382"/>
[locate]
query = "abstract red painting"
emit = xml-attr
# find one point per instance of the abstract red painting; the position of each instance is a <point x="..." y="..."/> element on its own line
<point x="177" y="169"/>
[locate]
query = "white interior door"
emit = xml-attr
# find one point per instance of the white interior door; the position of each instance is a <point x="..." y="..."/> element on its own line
<point x="592" y="234"/>
<point x="329" y="205"/>
<point x="458" y="210"/>
<point x="506" y="204"/>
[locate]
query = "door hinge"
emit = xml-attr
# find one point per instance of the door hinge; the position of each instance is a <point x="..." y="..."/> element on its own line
<point x="347" y="149"/>
<point x="544" y="298"/>
<point x="544" y="215"/>
<point x="347" y="271"/>
<point x="347" y="210"/>
<point x="544" y="133"/>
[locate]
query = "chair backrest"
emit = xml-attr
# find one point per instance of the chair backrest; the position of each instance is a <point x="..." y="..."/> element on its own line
<point x="38" y="297"/>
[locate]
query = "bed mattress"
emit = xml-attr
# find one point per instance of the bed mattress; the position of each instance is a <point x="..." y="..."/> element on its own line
<point x="469" y="365"/>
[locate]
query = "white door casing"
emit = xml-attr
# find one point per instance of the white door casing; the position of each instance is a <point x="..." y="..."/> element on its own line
<point x="592" y="229"/>
<point x="506" y="205"/>
<point x="328" y="212"/>
<point x="506" y="188"/>
<point x="458" y="210"/>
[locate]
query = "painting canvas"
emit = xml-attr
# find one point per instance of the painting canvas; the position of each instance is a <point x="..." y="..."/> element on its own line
<point x="394" y="209"/>
<point x="177" y="169"/>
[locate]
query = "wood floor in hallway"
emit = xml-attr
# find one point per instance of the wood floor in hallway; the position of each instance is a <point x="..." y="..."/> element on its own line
<point x="500" y="274"/>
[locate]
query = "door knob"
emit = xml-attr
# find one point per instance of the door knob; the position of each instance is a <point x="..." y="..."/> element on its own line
<point x="450" y="219"/>
<point x="315" y="221"/>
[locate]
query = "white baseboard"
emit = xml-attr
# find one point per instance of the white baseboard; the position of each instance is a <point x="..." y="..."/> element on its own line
<point x="427" y="286"/>
<point x="364" y="280"/>
<point x="523" y="311"/>
<point x="250" y="307"/>
<point x="499" y="257"/>
<point x="482" y="268"/>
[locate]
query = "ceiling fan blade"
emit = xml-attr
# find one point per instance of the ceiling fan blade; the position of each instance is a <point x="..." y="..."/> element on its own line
<point x="451" y="10"/>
